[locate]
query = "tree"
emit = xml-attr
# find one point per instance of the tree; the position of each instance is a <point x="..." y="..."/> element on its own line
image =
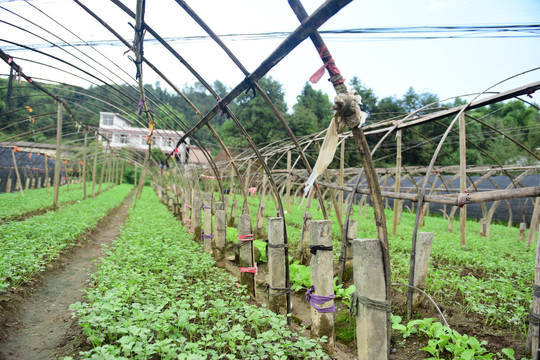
<point x="257" y="118"/>
<point x="369" y="99"/>
<point x="312" y="112"/>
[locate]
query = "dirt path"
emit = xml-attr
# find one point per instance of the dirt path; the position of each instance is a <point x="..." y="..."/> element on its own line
<point x="43" y="327"/>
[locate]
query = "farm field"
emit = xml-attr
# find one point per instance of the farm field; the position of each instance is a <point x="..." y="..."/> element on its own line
<point x="483" y="289"/>
<point x="36" y="201"/>
<point x="157" y="294"/>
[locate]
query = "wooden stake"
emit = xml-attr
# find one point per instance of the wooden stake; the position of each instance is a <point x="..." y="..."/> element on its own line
<point x="84" y="163"/>
<point x="341" y="175"/>
<point x="288" y="194"/>
<point x="17" y="172"/>
<point x="220" y="231"/>
<point x="397" y="184"/>
<point x="94" y="170"/>
<point x="58" y="160"/>
<point x="534" y="222"/>
<point x="462" y="179"/>
<point x="305" y="236"/>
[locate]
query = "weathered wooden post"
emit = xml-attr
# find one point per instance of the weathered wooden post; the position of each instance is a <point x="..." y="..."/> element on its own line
<point x="369" y="303"/>
<point x="352" y="232"/>
<point x="26" y="183"/>
<point x="8" y="184"/>
<point x="534" y="316"/>
<point x="19" y="183"/>
<point x="462" y="180"/>
<point x="247" y="265"/>
<point x="288" y="185"/>
<point x="94" y="168"/>
<point x="276" y="266"/>
<point x="305" y="236"/>
<point x="232" y="217"/>
<point x="196" y="217"/>
<point x="207" y="208"/>
<point x="424" y="242"/>
<point x="58" y="155"/>
<point x="321" y="293"/>
<point x="84" y="163"/>
<point x="534" y="221"/>
<point x="220" y="231"/>
<point x="522" y="230"/>
<point x="397" y="184"/>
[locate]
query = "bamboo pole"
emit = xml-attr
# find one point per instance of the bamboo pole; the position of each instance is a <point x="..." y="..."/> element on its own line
<point x="397" y="183"/>
<point x="288" y="194"/>
<point x="94" y="169"/>
<point x="341" y="175"/>
<point x="47" y="180"/>
<point x="19" y="183"/>
<point x="462" y="180"/>
<point x="58" y="155"/>
<point x="84" y="163"/>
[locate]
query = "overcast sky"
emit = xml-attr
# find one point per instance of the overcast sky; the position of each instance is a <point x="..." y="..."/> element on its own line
<point x="448" y="67"/>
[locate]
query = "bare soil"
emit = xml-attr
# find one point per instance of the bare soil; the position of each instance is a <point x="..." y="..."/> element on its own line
<point x="35" y="320"/>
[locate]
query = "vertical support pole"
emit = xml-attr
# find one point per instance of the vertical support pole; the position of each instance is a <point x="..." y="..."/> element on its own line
<point x="341" y="175"/>
<point x="247" y="264"/>
<point x="58" y="160"/>
<point x="207" y="237"/>
<point x="424" y="241"/>
<point x="17" y="172"/>
<point x="522" y="230"/>
<point x="220" y="231"/>
<point x="196" y="216"/>
<point x="27" y="183"/>
<point x="103" y="169"/>
<point x="84" y="162"/>
<point x="352" y="232"/>
<point x="94" y="168"/>
<point x="288" y="194"/>
<point x="8" y="184"/>
<point x="462" y="179"/>
<point x="397" y="184"/>
<point x="277" y="302"/>
<point x="122" y="172"/>
<point x="305" y="236"/>
<point x="322" y="280"/>
<point x="534" y="319"/>
<point x="135" y="175"/>
<point x="534" y="221"/>
<point x="47" y="179"/>
<point x="233" y="212"/>
<point x="369" y="280"/>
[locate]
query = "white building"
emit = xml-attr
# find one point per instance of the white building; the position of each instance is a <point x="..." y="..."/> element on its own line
<point x="122" y="134"/>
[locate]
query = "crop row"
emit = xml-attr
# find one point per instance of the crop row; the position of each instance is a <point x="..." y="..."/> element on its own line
<point x="493" y="276"/>
<point x="27" y="246"/>
<point x="15" y="205"/>
<point x="158" y="294"/>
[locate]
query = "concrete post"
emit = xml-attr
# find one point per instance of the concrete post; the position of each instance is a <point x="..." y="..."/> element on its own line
<point x="322" y="279"/>
<point x="26" y="183"/>
<point x="196" y="219"/>
<point x="207" y="208"/>
<point x="305" y="255"/>
<point x="277" y="301"/>
<point x="220" y="231"/>
<point x="247" y="266"/>
<point x="371" y="331"/>
<point x="424" y="241"/>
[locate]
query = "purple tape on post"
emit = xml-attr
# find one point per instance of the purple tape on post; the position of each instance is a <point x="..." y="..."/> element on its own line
<point x="320" y="299"/>
<point x="207" y="207"/>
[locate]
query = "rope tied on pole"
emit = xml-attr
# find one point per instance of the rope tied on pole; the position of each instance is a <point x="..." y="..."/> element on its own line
<point x="347" y="113"/>
<point x="314" y="248"/>
<point x="329" y="64"/>
<point x="315" y="300"/>
<point x="462" y="199"/>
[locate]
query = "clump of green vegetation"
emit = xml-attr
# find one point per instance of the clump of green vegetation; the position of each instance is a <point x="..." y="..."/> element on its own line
<point x="158" y="294"/>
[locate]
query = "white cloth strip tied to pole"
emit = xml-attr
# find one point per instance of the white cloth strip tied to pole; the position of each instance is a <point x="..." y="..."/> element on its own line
<point x="348" y="113"/>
